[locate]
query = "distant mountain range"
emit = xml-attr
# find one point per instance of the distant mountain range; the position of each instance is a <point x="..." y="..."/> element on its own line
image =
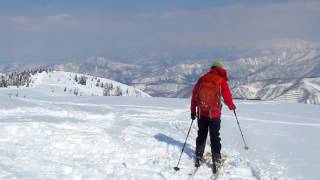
<point x="291" y="74"/>
<point x="286" y="71"/>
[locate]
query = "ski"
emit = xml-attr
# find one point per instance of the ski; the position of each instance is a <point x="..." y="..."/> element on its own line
<point x="205" y="160"/>
<point x="194" y="171"/>
<point x="216" y="168"/>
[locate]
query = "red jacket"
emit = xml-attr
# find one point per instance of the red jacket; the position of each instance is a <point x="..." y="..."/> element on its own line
<point x="225" y="92"/>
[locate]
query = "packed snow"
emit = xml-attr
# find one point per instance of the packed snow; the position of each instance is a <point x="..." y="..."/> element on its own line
<point x="94" y="137"/>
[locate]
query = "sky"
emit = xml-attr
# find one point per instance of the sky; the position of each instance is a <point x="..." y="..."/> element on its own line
<point x="53" y="31"/>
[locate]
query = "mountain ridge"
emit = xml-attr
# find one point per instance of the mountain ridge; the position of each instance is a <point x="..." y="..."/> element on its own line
<point x="265" y="72"/>
<point x="60" y="83"/>
<point x="286" y="67"/>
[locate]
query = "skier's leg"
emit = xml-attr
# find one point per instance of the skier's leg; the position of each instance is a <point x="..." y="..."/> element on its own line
<point x="203" y="124"/>
<point x="214" y="128"/>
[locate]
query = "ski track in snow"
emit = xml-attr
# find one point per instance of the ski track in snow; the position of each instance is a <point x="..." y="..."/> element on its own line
<point x="278" y="122"/>
<point x="43" y="139"/>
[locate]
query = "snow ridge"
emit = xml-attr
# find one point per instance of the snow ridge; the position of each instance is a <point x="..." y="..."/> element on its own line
<point x="59" y="83"/>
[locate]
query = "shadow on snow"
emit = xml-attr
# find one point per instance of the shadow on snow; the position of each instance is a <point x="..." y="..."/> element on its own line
<point x="170" y="141"/>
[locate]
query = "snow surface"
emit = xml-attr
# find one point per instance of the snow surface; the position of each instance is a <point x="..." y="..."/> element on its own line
<point x="46" y="133"/>
<point x="141" y="138"/>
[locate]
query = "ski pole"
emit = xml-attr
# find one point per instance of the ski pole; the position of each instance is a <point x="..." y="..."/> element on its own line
<point x="177" y="168"/>
<point x="244" y="142"/>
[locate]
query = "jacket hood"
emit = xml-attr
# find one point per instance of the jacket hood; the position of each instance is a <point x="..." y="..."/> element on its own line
<point x="220" y="71"/>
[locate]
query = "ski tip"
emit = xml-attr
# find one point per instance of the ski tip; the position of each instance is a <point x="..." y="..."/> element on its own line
<point x="176" y="168"/>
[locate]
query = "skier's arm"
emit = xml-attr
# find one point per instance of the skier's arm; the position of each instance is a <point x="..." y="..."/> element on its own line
<point x="194" y="98"/>
<point x="227" y="97"/>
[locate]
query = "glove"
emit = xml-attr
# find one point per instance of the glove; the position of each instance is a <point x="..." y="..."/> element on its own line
<point x="232" y="106"/>
<point x="193" y="116"/>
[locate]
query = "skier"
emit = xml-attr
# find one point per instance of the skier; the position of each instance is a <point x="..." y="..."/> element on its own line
<point x="206" y="104"/>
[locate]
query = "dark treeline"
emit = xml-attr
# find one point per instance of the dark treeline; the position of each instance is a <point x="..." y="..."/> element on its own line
<point x="22" y="78"/>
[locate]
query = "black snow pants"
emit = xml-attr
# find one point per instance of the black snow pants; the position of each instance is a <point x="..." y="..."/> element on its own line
<point x="206" y="124"/>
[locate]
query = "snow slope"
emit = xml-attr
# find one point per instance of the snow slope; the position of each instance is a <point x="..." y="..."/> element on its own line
<point x="59" y="83"/>
<point x="141" y="138"/>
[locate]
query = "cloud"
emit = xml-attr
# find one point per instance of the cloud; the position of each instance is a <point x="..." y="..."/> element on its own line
<point x="21" y="20"/>
<point x="40" y="24"/>
<point x="180" y="30"/>
<point x="244" y="24"/>
<point x="59" y="17"/>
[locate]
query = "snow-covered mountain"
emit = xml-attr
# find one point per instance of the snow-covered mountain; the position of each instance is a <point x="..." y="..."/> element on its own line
<point x="289" y="74"/>
<point x="59" y="83"/>
<point x="306" y="90"/>
<point x="281" y="70"/>
<point x="155" y="78"/>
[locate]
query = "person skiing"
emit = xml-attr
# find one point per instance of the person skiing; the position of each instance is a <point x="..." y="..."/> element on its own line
<point x="206" y="104"/>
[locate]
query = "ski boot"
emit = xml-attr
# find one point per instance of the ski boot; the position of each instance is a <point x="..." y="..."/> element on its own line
<point x="216" y="160"/>
<point x="197" y="161"/>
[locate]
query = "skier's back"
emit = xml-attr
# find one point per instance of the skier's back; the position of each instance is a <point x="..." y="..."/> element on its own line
<point x="206" y="103"/>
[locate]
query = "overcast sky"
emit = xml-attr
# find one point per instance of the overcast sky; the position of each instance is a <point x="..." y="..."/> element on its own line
<point x="44" y="30"/>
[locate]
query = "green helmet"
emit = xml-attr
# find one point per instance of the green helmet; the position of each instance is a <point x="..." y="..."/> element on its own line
<point x="217" y="63"/>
